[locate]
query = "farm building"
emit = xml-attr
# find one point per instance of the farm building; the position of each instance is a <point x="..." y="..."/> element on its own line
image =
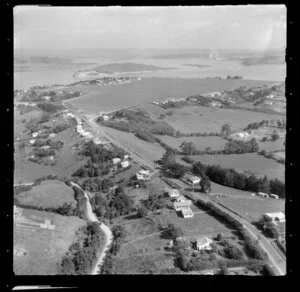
<point x="116" y="160"/>
<point x="274" y="196"/>
<point x="202" y="243"/>
<point x="173" y="193"/>
<point x="191" y="179"/>
<point x="277" y="217"/>
<point x="261" y="194"/>
<point x="187" y="213"/>
<point x="143" y="175"/>
<point x="180" y="205"/>
<point x="125" y="163"/>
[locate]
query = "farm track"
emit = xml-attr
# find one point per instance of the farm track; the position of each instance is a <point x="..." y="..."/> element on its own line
<point x="108" y="234"/>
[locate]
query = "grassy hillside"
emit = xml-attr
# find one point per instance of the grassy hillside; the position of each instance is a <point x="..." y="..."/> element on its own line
<point x="49" y="194"/>
<point x="38" y="251"/>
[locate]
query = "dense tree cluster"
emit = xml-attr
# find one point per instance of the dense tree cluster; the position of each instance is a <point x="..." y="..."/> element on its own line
<point x="97" y="185"/>
<point x="155" y="202"/>
<point x="115" y="204"/>
<point x="268" y="227"/>
<point x="239" y="146"/>
<point x="146" y="136"/>
<point x="231" y="178"/>
<point x="82" y="255"/>
<point x="119" y="234"/>
<point x="50" y="107"/>
<point x="138" y="121"/>
<point x="100" y="161"/>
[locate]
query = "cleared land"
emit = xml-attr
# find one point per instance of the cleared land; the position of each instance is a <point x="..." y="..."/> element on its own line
<point x="49" y="194"/>
<point x="43" y="248"/>
<point x="150" y="151"/>
<point x="251" y="207"/>
<point x="215" y="143"/>
<point x="248" y="162"/>
<point x="206" y="119"/>
<point x="66" y="164"/>
<point x="108" y="98"/>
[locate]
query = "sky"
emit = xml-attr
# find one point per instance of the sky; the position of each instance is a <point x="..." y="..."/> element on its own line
<point x="257" y="27"/>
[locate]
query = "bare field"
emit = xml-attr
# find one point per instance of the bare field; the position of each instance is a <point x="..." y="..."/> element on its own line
<point x="44" y="248"/>
<point x="215" y="143"/>
<point x="248" y="162"/>
<point x="49" y="194"/>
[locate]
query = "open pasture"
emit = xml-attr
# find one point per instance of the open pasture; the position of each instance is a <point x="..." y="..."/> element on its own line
<point x="150" y="151"/>
<point x="43" y="248"/>
<point x="215" y="143"/>
<point x="207" y="119"/>
<point x="49" y="194"/>
<point x="66" y="163"/>
<point x="248" y="163"/>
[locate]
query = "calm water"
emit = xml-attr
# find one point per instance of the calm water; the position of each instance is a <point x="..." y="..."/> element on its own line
<point x="108" y="98"/>
<point x="47" y="75"/>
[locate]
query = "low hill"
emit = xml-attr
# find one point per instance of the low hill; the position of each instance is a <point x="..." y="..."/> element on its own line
<point x="49" y="194"/>
<point x="126" y="67"/>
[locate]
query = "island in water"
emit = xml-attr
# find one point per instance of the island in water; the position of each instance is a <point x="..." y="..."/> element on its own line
<point x="117" y="68"/>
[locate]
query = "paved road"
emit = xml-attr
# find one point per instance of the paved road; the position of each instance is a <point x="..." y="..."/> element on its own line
<point x="102" y="132"/>
<point x="109" y="237"/>
<point x="277" y="262"/>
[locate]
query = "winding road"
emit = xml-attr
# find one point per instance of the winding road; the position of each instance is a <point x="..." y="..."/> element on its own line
<point x="277" y="262"/>
<point x="108" y="234"/>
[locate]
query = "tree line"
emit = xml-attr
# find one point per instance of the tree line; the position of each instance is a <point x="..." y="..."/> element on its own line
<point x="82" y="255"/>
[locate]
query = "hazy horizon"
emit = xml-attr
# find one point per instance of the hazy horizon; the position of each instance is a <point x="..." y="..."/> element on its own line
<point x="245" y="27"/>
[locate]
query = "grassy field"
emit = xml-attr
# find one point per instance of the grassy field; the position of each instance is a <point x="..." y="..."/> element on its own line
<point x="252" y="162"/>
<point x="206" y="119"/>
<point x="19" y="126"/>
<point x="251" y="207"/>
<point x="108" y="98"/>
<point x="216" y="143"/>
<point x="49" y="194"/>
<point x="67" y="163"/>
<point x="44" y="248"/>
<point x="150" y="151"/>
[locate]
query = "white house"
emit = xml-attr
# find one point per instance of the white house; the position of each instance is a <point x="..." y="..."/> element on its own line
<point x="276" y="217"/>
<point x="105" y="117"/>
<point x="35" y="134"/>
<point x="180" y="205"/>
<point x="125" y="163"/>
<point x="32" y="141"/>
<point x="116" y="160"/>
<point x="187" y="212"/>
<point x="274" y="196"/>
<point x="191" y="179"/>
<point x="203" y="243"/>
<point x="173" y="193"/>
<point x="143" y="175"/>
<point x="52" y="135"/>
<point x="126" y="156"/>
